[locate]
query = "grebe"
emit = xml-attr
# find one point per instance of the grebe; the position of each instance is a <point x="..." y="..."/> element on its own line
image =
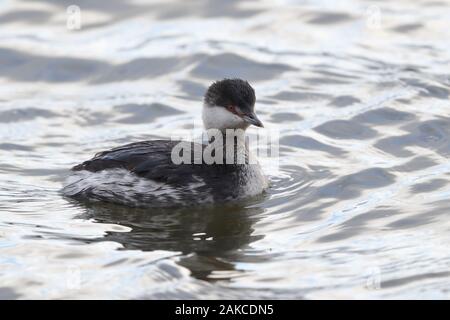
<point x="144" y="174"/>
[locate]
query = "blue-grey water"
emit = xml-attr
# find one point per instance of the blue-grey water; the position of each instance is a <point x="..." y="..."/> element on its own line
<point x="358" y="90"/>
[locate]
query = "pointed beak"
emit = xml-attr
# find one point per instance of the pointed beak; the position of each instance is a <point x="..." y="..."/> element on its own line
<point x="251" y="118"/>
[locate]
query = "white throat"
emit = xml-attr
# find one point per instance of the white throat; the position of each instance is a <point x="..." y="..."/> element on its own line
<point x="215" y="117"/>
<point x="226" y="129"/>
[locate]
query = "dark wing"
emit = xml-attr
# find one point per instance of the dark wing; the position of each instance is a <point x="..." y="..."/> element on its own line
<point x="146" y="158"/>
<point x="152" y="160"/>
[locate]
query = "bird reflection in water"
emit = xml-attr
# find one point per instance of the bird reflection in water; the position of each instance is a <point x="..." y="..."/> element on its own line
<point x="208" y="238"/>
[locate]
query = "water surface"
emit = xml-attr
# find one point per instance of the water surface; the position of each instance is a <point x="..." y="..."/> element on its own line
<point x="359" y="91"/>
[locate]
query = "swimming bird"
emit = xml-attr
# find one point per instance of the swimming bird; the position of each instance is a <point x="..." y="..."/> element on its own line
<point x="167" y="173"/>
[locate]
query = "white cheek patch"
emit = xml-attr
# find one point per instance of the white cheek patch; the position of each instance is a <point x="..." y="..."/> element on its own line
<point x="215" y="117"/>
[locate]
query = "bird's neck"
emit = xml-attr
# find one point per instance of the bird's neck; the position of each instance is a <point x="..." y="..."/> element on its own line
<point x="233" y="143"/>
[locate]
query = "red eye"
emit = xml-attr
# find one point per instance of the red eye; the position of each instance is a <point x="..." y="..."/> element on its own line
<point x="231" y="109"/>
